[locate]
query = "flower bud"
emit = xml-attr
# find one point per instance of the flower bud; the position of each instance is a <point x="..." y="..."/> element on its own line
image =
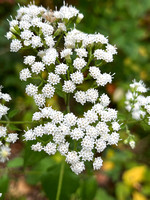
<point x="79" y="18"/>
<point x="132" y="143"/>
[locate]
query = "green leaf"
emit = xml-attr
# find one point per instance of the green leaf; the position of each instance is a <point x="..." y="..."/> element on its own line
<point x="12" y="127"/>
<point x="146" y="189"/>
<point x="34" y="175"/>
<point x="12" y="113"/>
<point x="16" y="162"/>
<point x="31" y="157"/>
<point x="50" y="182"/>
<point x="88" y="188"/>
<point x="58" y="90"/>
<point x="4" y="181"/>
<point x="122" y="191"/>
<point x="103" y="195"/>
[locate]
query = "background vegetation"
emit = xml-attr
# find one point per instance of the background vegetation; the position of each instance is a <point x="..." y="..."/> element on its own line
<point x="126" y="173"/>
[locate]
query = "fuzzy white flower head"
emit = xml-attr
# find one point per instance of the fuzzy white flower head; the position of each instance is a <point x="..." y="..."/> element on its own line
<point x="66" y="12"/>
<point x="62" y="26"/>
<point x="26" y="35"/>
<point x="72" y="157"/>
<point x="39" y="100"/>
<point x="79" y="63"/>
<point x="69" y="86"/>
<point x="25" y="74"/>
<point x="31" y="89"/>
<point x="48" y="90"/>
<point x="61" y="68"/>
<point x="3" y="131"/>
<point x="37" y="147"/>
<point x="80" y="97"/>
<point x="49" y="41"/>
<point x="29" y="60"/>
<point x="3" y="110"/>
<point x="12" y="138"/>
<point x="77" y="134"/>
<point x="4" y="153"/>
<point x="81" y="52"/>
<point x="94" y="72"/>
<point x="92" y="95"/>
<point x="111" y="49"/>
<point x="37" y="67"/>
<point x="70" y="119"/>
<point x="97" y="164"/>
<point x="50" y="148"/>
<point x="47" y="29"/>
<point x="15" y="45"/>
<point x="104" y="100"/>
<point x="66" y="53"/>
<point x="78" y="167"/>
<point x="53" y="78"/>
<point x="102" y="55"/>
<point x="77" y="77"/>
<point x="9" y="35"/>
<point x="36" y="42"/>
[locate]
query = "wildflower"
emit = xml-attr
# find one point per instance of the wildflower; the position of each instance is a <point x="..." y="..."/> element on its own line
<point x="66" y="68"/>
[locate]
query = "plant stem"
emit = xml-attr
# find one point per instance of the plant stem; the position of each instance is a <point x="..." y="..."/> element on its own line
<point x="68" y="103"/>
<point x="16" y="122"/>
<point x="59" y="39"/>
<point x="60" y="180"/>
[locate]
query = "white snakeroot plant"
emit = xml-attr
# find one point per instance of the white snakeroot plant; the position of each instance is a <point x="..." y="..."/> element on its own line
<point x="137" y="103"/>
<point x="61" y="61"/>
<point x="5" y="138"/>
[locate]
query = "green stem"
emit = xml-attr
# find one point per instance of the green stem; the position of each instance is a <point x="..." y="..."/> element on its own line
<point x="59" y="40"/>
<point x="60" y="180"/>
<point x="17" y="122"/>
<point x="68" y="103"/>
<point x="86" y="67"/>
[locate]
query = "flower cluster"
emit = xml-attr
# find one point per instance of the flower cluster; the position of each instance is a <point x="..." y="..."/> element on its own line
<point x="5" y="138"/>
<point x="89" y="134"/>
<point x="64" y="59"/>
<point x="137" y="103"/>
<point x="33" y="28"/>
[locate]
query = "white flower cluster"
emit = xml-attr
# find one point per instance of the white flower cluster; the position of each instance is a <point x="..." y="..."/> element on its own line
<point x="89" y="134"/>
<point x="136" y="102"/>
<point x="5" y="138"/>
<point x="38" y="28"/>
<point x="65" y="68"/>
